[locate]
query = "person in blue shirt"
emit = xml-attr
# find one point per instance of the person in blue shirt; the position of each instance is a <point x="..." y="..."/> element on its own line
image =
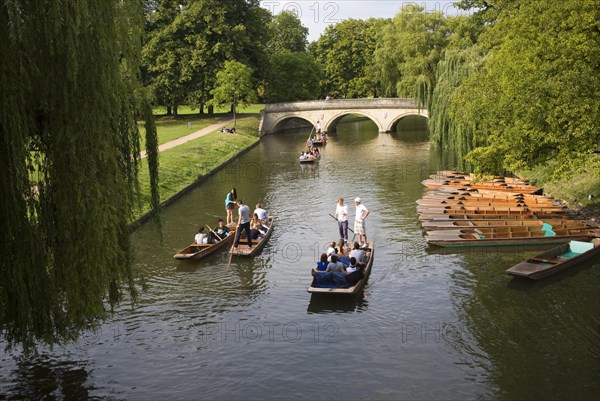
<point x="230" y="204"/>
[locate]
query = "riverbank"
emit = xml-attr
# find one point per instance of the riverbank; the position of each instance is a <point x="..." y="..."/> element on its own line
<point x="183" y="167"/>
<point x="573" y="192"/>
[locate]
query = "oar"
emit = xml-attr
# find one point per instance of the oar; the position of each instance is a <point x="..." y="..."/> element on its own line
<point x="231" y="250"/>
<point x="353" y="236"/>
<point x="333" y="217"/>
<point x="217" y="235"/>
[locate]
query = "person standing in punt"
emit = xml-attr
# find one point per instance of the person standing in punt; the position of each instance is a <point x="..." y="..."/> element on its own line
<point x="243" y="224"/>
<point x="230" y="204"/>
<point x="359" y="222"/>
<point x="341" y="214"/>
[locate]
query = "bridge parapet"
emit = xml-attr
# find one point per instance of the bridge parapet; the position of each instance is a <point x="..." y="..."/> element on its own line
<point x="337" y="104"/>
<point x="384" y="112"/>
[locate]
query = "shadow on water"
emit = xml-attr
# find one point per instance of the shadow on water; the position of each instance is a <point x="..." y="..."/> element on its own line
<point x="328" y="303"/>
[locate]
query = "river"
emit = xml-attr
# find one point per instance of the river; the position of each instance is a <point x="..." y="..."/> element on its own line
<point x="429" y="325"/>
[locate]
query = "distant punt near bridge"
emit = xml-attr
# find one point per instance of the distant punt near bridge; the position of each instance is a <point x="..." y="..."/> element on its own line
<point x="384" y="112"/>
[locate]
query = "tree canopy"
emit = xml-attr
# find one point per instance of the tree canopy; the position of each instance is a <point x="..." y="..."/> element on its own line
<point x="294" y="76"/>
<point x="287" y="33"/>
<point x="69" y="98"/>
<point x="344" y="52"/>
<point x="234" y="86"/>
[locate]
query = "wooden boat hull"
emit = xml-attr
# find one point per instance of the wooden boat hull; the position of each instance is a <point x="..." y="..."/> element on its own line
<point x="461" y="224"/>
<point x="551" y="262"/>
<point x="319" y="143"/>
<point x="463" y="238"/>
<point x="310" y="159"/>
<point x="257" y="245"/>
<point x="351" y="290"/>
<point x="524" y="189"/>
<point x="199" y="251"/>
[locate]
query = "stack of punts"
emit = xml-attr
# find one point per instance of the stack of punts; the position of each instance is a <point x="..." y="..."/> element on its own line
<point x="257" y="244"/>
<point x="199" y="251"/>
<point x="556" y="259"/>
<point x="496" y="186"/>
<point x="369" y="252"/>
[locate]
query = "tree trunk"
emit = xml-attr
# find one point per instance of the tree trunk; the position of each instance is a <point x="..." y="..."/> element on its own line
<point x="201" y="111"/>
<point x="175" y="106"/>
<point x="169" y="111"/>
<point x="211" y="110"/>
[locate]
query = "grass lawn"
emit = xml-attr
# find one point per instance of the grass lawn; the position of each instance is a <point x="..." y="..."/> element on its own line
<point x="183" y="165"/>
<point x="186" y="110"/>
<point x="172" y="127"/>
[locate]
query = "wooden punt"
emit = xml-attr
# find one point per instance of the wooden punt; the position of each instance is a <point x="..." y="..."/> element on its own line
<point x="257" y="244"/>
<point x="199" y="251"/>
<point x="525" y="189"/>
<point x="319" y="142"/>
<point x="309" y="159"/>
<point x="460" y="224"/>
<point x="525" y="211"/>
<point x="455" y="175"/>
<point x="556" y="259"/>
<point x="370" y="251"/>
<point x="471" y="238"/>
<point x="428" y="202"/>
<point x="488" y="216"/>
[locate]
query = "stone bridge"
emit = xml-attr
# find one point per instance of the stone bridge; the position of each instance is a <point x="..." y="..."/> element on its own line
<point x="384" y="112"/>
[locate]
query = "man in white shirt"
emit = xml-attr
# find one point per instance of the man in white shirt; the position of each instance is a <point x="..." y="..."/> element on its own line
<point x="341" y="214"/>
<point x="262" y="213"/>
<point x="359" y="222"/>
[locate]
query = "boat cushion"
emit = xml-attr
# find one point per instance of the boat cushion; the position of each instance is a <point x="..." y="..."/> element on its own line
<point x="580" y="246"/>
<point x="549" y="233"/>
<point x="547" y="227"/>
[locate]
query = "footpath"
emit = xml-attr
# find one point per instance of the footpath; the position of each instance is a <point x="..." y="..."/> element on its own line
<point x="189" y="137"/>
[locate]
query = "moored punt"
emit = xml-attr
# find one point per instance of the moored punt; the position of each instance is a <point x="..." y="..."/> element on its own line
<point x="461" y="224"/>
<point x="455" y="175"/>
<point x="470" y="238"/>
<point x="556" y="259"/>
<point x="432" y="202"/>
<point x="309" y="158"/>
<point x="541" y="211"/>
<point x="370" y="250"/>
<point x="525" y="189"/>
<point x="319" y="142"/>
<point x="257" y="244"/>
<point x="483" y="217"/>
<point x="199" y="251"/>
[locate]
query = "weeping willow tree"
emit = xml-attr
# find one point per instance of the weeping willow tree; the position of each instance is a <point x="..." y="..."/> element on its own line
<point x="68" y="163"/>
<point x="459" y="60"/>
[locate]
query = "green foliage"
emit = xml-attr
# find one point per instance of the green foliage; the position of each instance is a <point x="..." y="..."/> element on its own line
<point x="234" y="86"/>
<point x="407" y="54"/>
<point x="68" y="163"/>
<point x="539" y="88"/>
<point x="294" y="76"/>
<point x="287" y="34"/>
<point x="344" y="52"/>
<point x="186" y="49"/>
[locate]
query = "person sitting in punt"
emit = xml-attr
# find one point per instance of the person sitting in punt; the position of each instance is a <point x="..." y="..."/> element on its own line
<point x="257" y="228"/>
<point x="221" y="230"/>
<point x="332" y="250"/>
<point x="262" y="213"/>
<point x="342" y="256"/>
<point x="335" y="266"/>
<point x="354" y="273"/>
<point x="359" y="254"/>
<point x="201" y="237"/>
<point x="322" y="264"/>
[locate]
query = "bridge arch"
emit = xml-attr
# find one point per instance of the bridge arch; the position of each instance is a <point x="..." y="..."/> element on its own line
<point x="331" y="124"/>
<point x="394" y="123"/>
<point x="282" y="120"/>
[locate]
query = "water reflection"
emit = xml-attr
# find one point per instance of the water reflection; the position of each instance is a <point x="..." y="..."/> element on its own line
<point x="324" y="303"/>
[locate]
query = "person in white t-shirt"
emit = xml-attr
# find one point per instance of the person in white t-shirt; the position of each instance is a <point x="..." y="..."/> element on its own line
<point x="359" y="222"/>
<point x="201" y="237"/>
<point x="341" y="214"/>
<point x="262" y="213"/>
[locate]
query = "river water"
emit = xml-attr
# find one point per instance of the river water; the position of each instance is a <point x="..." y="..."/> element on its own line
<point x="429" y="325"/>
